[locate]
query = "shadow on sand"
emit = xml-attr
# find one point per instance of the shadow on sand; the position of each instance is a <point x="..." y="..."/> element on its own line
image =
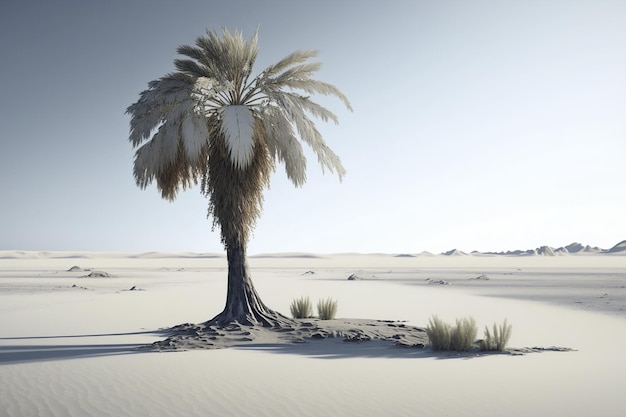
<point x="333" y="348"/>
<point x="24" y="353"/>
<point x="327" y="348"/>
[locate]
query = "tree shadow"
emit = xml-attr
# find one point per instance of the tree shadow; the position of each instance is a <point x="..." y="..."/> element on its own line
<point x="332" y="348"/>
<point x="25" y="353"/>
<point x="325" y="348"/>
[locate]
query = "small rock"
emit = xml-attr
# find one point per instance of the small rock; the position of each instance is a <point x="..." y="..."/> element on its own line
<point x="481" y="278"/>
<point x="97" y="274"/>
<point x="437" y="282"/>
<point x="81" y="288"/>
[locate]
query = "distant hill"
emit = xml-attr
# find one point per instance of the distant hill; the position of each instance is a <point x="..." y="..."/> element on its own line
<point x="574" y="247"/>
<point x="545" y="251"/>
<point x="454" y="252"/>
<point x="571" y="249"/>
<point x="620" y="247"/>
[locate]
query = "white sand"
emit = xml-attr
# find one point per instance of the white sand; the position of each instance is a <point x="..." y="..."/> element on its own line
<point x="65" y="351"/>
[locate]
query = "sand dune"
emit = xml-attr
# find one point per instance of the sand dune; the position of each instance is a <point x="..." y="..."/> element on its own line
<point x="68" y="344"/>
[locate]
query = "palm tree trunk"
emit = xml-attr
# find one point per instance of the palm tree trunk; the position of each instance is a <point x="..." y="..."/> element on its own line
<point x="236" y="196"/>
<point x="243" y="304"/>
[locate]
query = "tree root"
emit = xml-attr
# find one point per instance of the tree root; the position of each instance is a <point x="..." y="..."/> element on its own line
<point x="268" y="318"/>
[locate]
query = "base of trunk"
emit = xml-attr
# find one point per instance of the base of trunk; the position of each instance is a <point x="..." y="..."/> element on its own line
<point x="267" y="318"/>
<point x="243" y="304"/>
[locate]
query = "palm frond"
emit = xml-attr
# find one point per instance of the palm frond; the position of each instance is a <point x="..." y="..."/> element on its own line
<point x="192" y="68"/>
<point x="230" y="57"/>
<point x="165" y="99"/>
<point x="310" y="135"/>
<point x="317" y="87"/>
<point x="211" y="54"/>
<point x="306" y="104"/>
<point x="165" y="118"/>
<point x="163" y="158"/>
<point x="195" y="135"/>
<point x="298" y="72"/>
<point x="196" y="53"/>
<point x="293" y="58"/>
<point x="238" y="128"/>
<point x="284" y="145"/>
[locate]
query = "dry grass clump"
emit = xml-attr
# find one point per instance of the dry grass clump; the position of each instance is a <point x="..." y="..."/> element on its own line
<point x="301" y="308"/>
<point x="438" y="333"/>
<point x="327" y="309"/>
<point x="497" y="340"/>
<point x="463" y="334"/>
<point x="444" y="336"/>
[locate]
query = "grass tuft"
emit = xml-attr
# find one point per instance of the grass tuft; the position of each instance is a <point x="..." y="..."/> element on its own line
<point x="444" y="336"/>
<point x="301" y="308"/>
<point x="439" y="333"/>
<point x="327" y="309"/>
<point x="497" y="340"/>
<point x="463" y="334"/>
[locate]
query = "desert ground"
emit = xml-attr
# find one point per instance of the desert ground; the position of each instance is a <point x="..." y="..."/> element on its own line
<point x="73" y="340"/>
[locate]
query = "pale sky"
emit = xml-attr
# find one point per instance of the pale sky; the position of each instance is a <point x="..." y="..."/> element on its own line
<point x="477" y="125"/>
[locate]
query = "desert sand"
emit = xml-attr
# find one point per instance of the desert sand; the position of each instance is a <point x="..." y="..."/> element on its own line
<point x="73" y="340"/>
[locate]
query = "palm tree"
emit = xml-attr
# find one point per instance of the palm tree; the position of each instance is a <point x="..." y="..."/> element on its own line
<point x="212" y="122"/>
